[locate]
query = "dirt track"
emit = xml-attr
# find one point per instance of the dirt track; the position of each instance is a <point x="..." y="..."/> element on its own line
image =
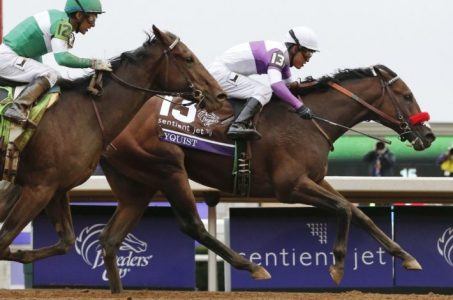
<point x="104" y="294"/>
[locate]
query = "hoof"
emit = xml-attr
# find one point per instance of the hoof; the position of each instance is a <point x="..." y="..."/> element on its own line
<point x="261" y="274"/>
<point x="336" y="274"/>
<point x="116" y="290"/>
<point x="412" y="264"/>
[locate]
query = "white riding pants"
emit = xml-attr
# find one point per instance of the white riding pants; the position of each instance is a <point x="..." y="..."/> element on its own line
<point x="23" y="69"/>
<point x="239" y="86"/>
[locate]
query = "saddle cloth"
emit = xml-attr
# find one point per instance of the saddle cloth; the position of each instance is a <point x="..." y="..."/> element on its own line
<point x="195" y="128"/>
<point x="14" y="138"/>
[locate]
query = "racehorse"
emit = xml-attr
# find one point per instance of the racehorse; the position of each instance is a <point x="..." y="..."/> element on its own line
<point x="289" y="162"/>
<point x="69" y="141"/>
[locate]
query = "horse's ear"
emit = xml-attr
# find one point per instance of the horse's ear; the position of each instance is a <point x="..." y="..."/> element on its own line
<point x="161" y="36"/>
<point x="155" y="29"/>
<point x="157" y="33"/>
<point x="378" y="71"/>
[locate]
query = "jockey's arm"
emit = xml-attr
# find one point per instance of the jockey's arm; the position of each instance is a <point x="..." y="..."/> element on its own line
<point x="64" y="58"/>
<point x="280" y="88"/>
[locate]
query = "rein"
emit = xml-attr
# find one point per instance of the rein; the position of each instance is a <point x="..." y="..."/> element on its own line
<point x="95" y="88"/>
<point x="401" y="122"/>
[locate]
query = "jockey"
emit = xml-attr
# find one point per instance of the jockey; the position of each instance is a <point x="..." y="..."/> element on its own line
<point x="48" y="31"/>
<point x="234" y="66"/>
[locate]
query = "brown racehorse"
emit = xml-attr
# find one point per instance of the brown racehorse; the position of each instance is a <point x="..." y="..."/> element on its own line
<point x="289" y="162"/>
<point x="72" y="135"/>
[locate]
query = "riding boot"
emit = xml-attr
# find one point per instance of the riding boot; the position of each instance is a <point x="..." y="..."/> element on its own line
<point x="17" y="112"/>
<point x="243" y="128"/>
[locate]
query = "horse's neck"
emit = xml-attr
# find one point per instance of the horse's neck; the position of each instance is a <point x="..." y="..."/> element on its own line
<point x="339" y="108"/>
<point x="119" y="104"/>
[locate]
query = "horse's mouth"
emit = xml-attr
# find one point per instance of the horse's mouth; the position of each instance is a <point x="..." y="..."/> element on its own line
<point x="419" y="144"/>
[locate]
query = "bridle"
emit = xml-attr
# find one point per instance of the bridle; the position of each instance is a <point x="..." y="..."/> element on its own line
<point x="401" y="121"/>
<point x="95" y="87"/>
<point x="167" y="54"/>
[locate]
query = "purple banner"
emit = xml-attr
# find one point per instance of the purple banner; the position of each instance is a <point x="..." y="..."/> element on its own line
<point x="295" y="246"/>
<point x="156" y="254"/>
<point x="195" y="142"/>
<point x="427" y="234"/>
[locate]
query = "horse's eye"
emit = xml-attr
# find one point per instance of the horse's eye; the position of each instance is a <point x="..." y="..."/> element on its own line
<point x="189" y="59"/>
<point x="408" y="97"/>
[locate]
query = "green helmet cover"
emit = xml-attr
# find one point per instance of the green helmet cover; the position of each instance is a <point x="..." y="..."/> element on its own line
<point x="88" y="6"/>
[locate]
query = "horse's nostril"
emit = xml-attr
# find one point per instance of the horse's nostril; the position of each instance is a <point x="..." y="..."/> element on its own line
<point x="430" y="137"/>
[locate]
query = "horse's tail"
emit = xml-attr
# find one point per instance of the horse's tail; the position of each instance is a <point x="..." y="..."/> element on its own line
<point x="9" y="193"/>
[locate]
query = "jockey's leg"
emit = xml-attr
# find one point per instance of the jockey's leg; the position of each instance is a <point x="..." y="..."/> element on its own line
<point x="242" y="127"/>
<point x="18" y="111"/>
<point x="242" y="87"/>
<point x="21" y="69"/>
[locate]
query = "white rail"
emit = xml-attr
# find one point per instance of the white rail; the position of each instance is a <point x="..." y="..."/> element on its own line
<point x="356" y="189"/>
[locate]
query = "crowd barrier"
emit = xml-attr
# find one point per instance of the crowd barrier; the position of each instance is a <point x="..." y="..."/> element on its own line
<point x="362" y="190"/>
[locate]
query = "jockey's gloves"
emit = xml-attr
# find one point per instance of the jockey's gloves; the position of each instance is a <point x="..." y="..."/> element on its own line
<point x="101" y="65"/>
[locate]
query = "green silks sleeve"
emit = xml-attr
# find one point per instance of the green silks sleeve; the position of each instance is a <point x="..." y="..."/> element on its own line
<point x="38" y="58"/>
<point x="71" y="61"/>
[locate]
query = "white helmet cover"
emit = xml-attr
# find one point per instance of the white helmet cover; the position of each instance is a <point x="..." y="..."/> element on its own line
<point x="303" y="36"/>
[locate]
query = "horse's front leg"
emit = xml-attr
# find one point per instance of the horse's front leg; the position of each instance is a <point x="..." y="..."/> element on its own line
<point x="59" y="213"/>
<point x="362" y="220"/>
<point x="31" y="202"/>
<point x="308" y="192"/>
<point x="133" y="199"/>
<point x="179" y="194"/>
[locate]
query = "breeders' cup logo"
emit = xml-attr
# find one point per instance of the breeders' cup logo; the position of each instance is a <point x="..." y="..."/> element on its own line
<point x="207" y="119"/>
<point x="445" y="246"/>
<point x="132" y="252"/>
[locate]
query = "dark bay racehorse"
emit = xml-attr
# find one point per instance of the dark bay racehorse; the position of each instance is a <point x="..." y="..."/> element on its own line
<point x="72" y="135"/>
<point x="289" y="162"/>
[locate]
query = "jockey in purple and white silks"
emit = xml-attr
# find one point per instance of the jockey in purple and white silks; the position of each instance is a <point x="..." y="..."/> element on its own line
<point x="233" y="68"/>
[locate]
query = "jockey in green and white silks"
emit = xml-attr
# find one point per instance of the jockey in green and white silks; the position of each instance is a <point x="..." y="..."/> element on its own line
<point x="50" y="31"/>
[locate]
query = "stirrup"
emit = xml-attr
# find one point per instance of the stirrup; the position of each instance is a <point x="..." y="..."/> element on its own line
<point x="243" y="134"/>
<point x="15" y="118"/>
<point x="20" y="120"/>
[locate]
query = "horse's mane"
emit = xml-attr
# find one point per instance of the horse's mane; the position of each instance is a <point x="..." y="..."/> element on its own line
<point x="321" y="84"/>
<point x="115" y="61"/>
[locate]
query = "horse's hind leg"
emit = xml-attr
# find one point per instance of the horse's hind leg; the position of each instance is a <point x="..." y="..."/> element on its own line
<point x="59" y="213"/>
<point x="133" y="199"/>
<point x="362" y="220"/>
<point x="308" y="192"/>
<point x="9" y="193"/>
<point x="31" y="201"/>
<point x="179" y="194"/>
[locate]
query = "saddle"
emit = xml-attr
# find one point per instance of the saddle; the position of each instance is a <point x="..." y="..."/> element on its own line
<point x="14" y="138"/>
<point x="183" y="124"/>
